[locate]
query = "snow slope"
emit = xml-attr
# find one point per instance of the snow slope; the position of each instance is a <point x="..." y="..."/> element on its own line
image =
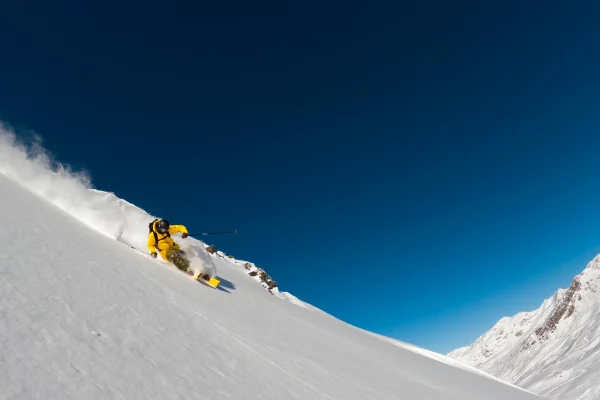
<point x="553" y="351"/>
<point x="85" y="316"/>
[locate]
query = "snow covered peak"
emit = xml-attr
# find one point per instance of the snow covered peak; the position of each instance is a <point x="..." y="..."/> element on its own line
<point x="594" y="264"/>
<point x="544" y="350"/>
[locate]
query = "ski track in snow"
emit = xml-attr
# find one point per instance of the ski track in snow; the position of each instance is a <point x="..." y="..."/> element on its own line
<point x="84" y="316"/>
<point x="246" y="345"/>
<point x="547" y="392"/>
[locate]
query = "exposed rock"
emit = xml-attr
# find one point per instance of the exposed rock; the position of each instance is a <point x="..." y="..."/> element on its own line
<point x="566" y="308"/>
<point x="265" y="280"/>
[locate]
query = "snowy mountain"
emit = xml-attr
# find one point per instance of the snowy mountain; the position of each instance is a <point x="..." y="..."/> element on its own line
<point x="86" y="314"/>
<point x="553" y="351"/>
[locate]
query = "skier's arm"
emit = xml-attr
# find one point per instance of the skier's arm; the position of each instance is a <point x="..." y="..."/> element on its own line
<point x="173" y="229"/>
<point x="151" y="243"/>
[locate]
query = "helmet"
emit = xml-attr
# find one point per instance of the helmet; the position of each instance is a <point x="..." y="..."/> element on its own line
<point x="162" y="226"/>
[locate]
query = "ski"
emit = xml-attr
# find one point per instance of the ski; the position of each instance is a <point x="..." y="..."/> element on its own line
<point x="205" y="279"/>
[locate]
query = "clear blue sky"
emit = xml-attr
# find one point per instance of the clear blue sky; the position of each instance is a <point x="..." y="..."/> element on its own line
<point x="419" y="170"/>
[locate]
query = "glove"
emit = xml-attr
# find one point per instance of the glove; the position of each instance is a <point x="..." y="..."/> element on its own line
<point x="153" y="255"/>
<point x="184" y="235"/>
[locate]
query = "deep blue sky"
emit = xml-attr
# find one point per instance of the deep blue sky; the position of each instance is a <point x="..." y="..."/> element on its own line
<point x="419" y="170"/>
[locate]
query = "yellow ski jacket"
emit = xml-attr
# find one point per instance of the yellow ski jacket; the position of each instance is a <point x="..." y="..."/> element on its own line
<point x="165" y="242"/>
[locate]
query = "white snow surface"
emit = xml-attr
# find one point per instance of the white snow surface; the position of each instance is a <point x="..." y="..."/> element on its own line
<point x="83" y="315"/>
<point x="553" y="351"/>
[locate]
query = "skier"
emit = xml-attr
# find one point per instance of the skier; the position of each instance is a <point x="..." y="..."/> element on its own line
<point x="160" y="239"/>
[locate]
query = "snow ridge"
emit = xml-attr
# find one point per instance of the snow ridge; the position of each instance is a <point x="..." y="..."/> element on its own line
<point x="30" y="164"/>
<point x="553" y="351"/>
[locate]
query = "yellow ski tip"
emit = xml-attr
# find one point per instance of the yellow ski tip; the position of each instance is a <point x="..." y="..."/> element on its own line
<point x="213" y="282"/>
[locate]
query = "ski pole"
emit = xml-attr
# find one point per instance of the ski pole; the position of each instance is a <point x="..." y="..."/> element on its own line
<point x="212" y="233"/>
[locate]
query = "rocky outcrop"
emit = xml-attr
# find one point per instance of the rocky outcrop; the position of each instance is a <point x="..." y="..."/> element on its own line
<point x="265" y="279"/>
<point x="564" y="310"/>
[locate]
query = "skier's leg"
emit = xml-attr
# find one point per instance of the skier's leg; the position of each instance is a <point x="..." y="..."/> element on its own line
<point x="177" y="257"/>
